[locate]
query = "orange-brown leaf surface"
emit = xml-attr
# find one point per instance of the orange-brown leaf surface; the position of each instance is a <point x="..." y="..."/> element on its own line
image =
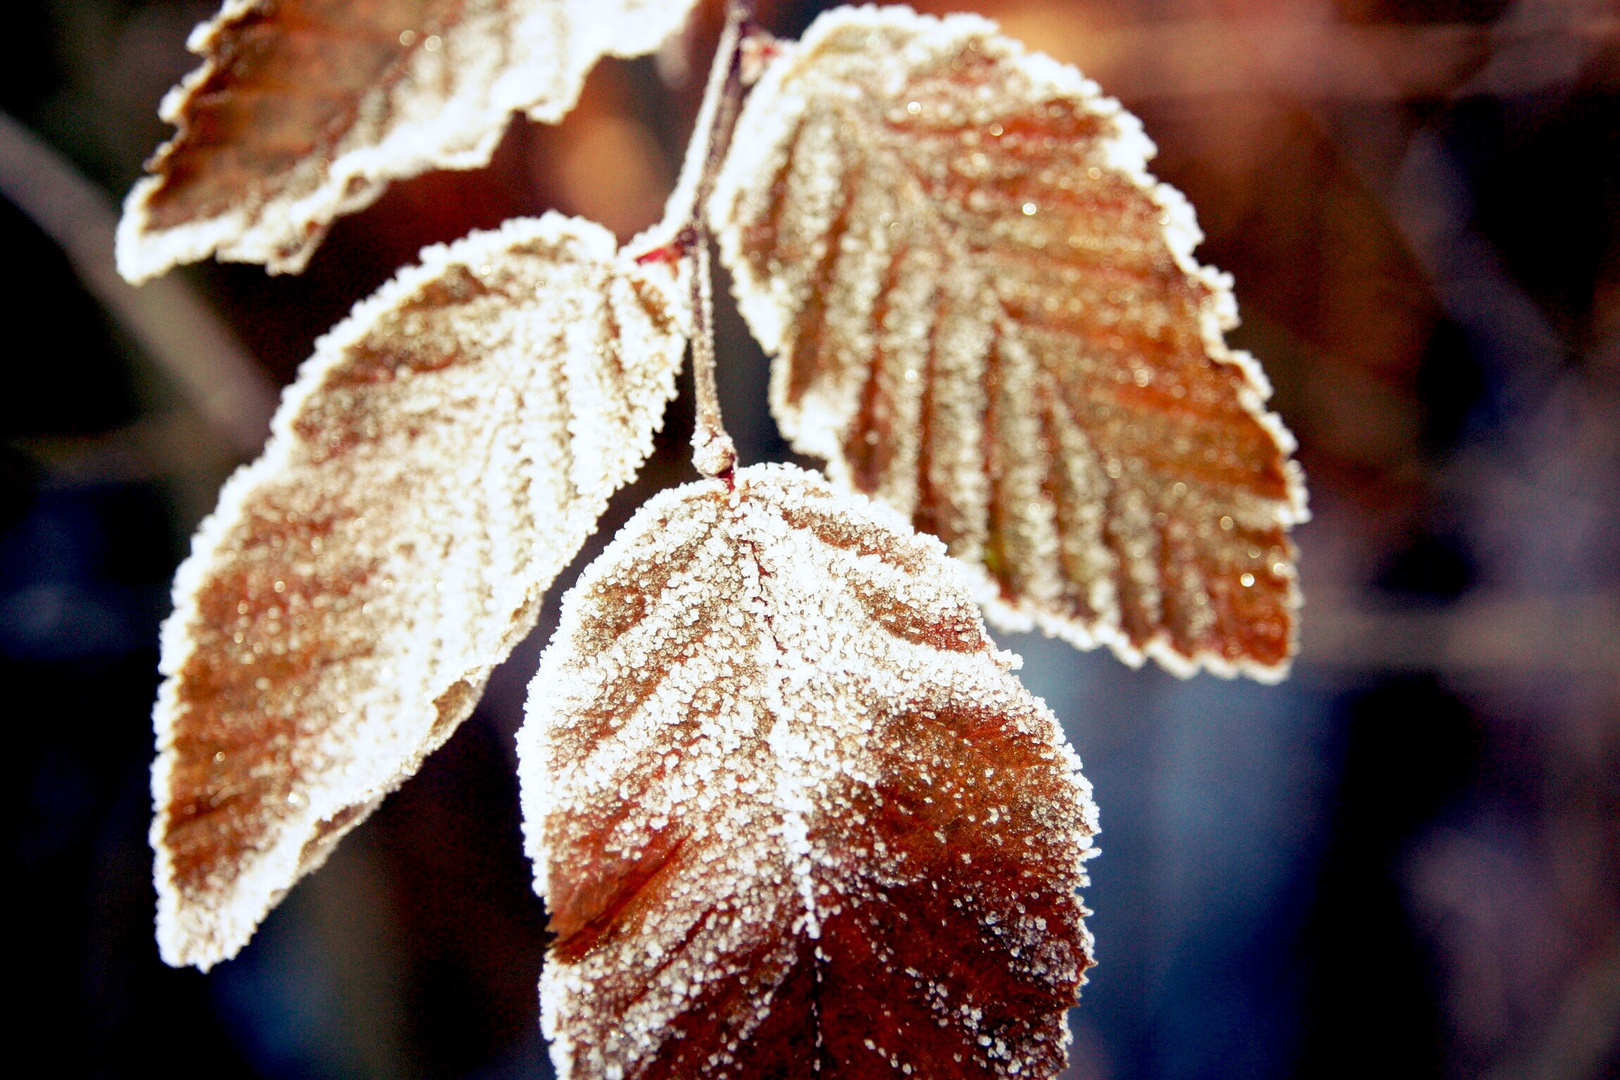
<point x="304" y="110"/>
<point x="986" y="313"/>
<point x="791" y="811"/>
<point x="442" y="456"/>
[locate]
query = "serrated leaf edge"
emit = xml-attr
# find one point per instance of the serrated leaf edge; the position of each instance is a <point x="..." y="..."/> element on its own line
<point x="1128" y="150"/>
<point x="357" y="178"/>
<point x="289" y="858"/>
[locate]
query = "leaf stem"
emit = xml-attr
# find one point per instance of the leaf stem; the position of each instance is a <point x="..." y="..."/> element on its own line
<point x="713" y="452"/>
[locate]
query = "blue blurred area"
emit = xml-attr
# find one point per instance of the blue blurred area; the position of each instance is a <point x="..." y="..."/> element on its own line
<point x="1215" y="803"/>
<point x="283" y="1004"/>
<point x="57" y="599"/>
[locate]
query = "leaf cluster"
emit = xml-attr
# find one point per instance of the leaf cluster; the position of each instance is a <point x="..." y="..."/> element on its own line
<point x="789" y="807"/>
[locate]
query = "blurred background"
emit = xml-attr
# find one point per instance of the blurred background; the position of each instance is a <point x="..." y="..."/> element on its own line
<point x="1404" y="861"/>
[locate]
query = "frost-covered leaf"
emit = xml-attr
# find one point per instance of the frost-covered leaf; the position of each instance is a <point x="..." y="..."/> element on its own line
<point x="442" y="456"/>
<point x="987" y="314"/>
<point x="304" y="110"/>
<point x="791" y="811"/>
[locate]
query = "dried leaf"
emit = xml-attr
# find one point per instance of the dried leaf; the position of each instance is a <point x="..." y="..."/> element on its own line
<point x="986" y="313"/>
<point x="304" y="110"/>
<point x="442" y="456"/>
<point x="791" y="811"/>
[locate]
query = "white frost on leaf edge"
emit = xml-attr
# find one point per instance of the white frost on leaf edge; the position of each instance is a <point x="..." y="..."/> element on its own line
<point x="758" y="148"/>
<point x="567" y="679"/>
<point x="462" y="133"/>
<point x="207" y="936"/>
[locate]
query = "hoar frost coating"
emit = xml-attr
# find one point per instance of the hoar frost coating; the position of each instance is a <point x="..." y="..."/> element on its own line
<point x="790" y="809"/>
<point x="441" y="457"/>
<point x="305" y="110"/>
<point x="986" y="313"/>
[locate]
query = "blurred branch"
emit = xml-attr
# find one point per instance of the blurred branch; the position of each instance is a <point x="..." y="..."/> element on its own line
<point x="1571" y="634"/>
<point x="174" y="327"/>
<point x="1430" y="204"/>
<point x="164" y="444"/>
<point x="1312" y="57"/>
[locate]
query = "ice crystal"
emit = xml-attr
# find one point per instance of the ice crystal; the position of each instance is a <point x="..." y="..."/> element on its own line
<point x="442" y="456"/>
<point x="986" y="313"/>
<point x="790" y="808"/>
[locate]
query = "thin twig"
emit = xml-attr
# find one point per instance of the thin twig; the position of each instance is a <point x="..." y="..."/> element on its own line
<point x="175" y="329"/>
<point x="713" y="452"/>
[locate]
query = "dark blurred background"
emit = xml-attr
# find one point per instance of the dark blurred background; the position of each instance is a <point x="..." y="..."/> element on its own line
<point x="1404" y="861"/>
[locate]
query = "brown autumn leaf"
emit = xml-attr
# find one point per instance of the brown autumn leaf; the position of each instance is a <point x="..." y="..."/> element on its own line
<point x="986" y="313"/>
<point x="791" y="811"/>
<point x="442" y="456"/>
<point x="304" y="110"/>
